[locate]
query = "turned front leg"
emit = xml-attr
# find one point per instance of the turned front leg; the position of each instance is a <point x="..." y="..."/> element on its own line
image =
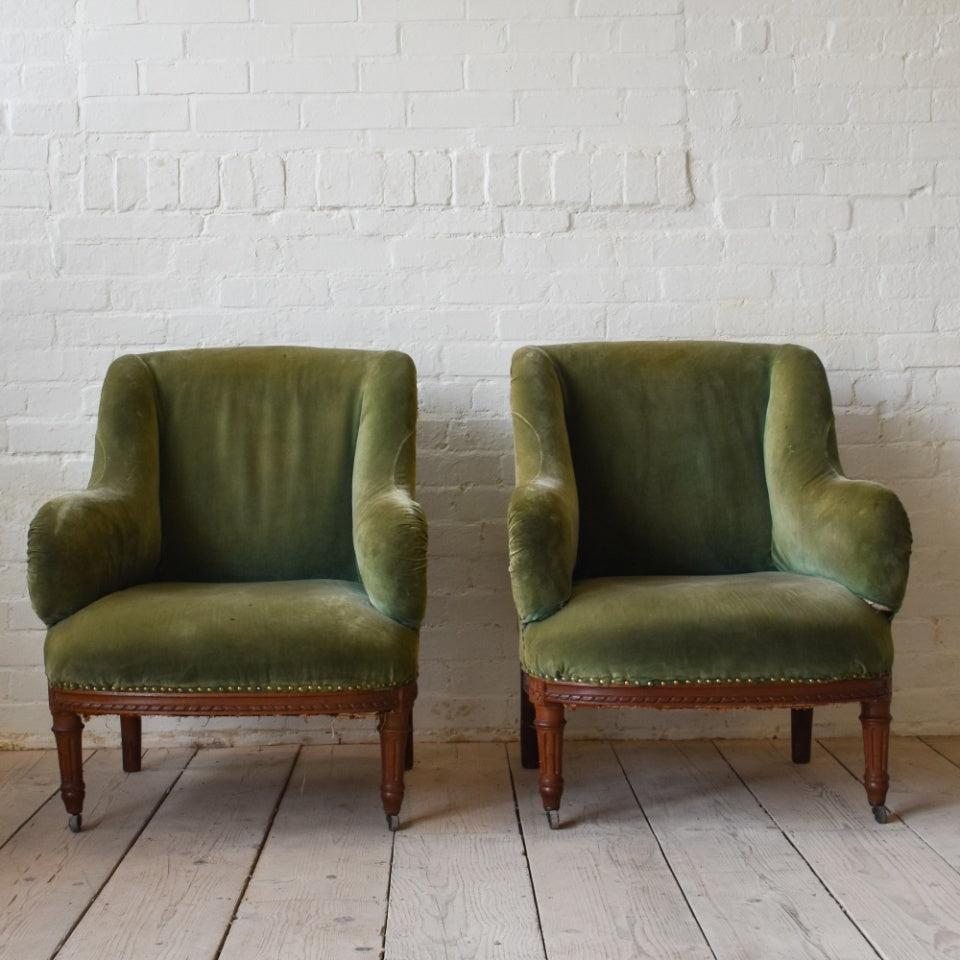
<point x="549" y="722"/>
<point x="395" y="734"/>
<point x="68" y="730"/>
<point x="875" y="721"/>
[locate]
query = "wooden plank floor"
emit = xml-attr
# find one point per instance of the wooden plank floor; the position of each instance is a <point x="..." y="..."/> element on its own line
<point x="685" y="849"/>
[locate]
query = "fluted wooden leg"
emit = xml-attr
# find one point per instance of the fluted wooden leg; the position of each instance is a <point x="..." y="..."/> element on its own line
<point x="529" y="754"/>
<point x="801" y="734"/>
<point x="395" y="733"/>
<point x="130" y="742"/>
<point x="549" y="723"/>
<point x="875" y="721"/>
<point x="68" y="729"/>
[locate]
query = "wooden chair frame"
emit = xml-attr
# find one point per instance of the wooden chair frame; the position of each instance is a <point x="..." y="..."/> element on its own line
<point x="392" y="707"/>
<point x="542" y="705"/>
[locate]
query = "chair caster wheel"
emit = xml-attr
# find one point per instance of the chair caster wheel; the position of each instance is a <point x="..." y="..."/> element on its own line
<point x="880" y="813"/>
<point x="393" y="822"/>
<point x="553" y="818"/>
<point x="75" y="823"/>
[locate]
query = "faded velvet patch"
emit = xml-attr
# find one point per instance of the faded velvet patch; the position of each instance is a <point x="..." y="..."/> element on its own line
<point x="723" y="628"/>
<point x="224" y="637"/>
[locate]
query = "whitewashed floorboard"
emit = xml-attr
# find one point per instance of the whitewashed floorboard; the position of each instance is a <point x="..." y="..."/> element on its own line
<point x="603" y="889"/>
<point x="49" y="876"/>
<point x="174" y="894"/>
<point x="248" y="856"/>
<point x="753" y="896"/>
<point x="902" y="895"/>
<point x="320" y="886"/>
<point x="459" y="888"/>
<point x="924" y="788"/>
<point x="457" y="789"/>
<point x="947" y="746"/>
<point x="28" y="778"/>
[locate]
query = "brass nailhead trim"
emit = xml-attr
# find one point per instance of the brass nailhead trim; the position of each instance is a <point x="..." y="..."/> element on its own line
<point x="249" y="688"/>
<point x="719" y="681"/>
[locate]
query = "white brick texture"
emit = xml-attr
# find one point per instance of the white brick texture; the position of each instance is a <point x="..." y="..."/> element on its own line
<point x="455" y="178"/>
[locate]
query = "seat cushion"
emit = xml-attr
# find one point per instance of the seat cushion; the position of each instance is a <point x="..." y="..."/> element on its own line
<point x="758" y="627"/>
<point x="309" y="635"/>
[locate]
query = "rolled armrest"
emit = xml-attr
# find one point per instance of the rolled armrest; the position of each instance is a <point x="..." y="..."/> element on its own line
<point x="852" y="531"/>
<point x="390" y="540"/>
<point x="83" y="546"/>
<point x="389" y="526"/>
<point x="543" y="519"/>
<point x="542" y="525"/>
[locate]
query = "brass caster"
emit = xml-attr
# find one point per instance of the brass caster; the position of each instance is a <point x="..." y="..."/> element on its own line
<point x="75" y="823"/>
<point x="393" y="822"/>
<point x="553" y="818"/>
<point x="880" y="813"/>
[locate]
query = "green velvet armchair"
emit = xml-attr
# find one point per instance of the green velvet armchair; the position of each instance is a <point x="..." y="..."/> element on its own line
<point x="682" y="535"/>
<point x="248" y="545"/>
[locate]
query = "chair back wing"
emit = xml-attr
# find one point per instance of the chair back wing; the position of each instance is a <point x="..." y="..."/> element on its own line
<point x="389" y="526"/>
<point x="666" y="441"/>
<point x="81" y="546"/>
<point x="824" y="523"/>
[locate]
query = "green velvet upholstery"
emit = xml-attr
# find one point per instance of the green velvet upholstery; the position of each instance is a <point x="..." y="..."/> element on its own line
<point x="249" y="525"/>
<point x="757" y="627"/>
<point x="277" y="635"/>
<point x="680" y="516"/>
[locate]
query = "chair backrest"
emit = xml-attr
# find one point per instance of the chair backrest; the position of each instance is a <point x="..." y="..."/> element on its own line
<point x="667" y="441"/>
<point x="256" y="453"/>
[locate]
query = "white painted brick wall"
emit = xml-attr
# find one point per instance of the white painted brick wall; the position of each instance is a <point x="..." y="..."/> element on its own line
<point x="455" y="178"/>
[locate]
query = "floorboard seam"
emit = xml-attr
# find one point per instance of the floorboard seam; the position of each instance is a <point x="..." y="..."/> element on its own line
<point x="926" y="742"/>
<point x="796" y="849"/>
<point x="663" y="853"/>
<point x="123" y="856"/>
<point x="526" y="858"/>
<point x="904" y="820"/>
<point x="53" y="795"/>
<point x="258" y="854"/>
<point x="386" y="908"/>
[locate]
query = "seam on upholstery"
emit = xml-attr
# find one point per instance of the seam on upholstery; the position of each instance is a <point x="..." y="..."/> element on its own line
<point x="396" y="459"/>
<point x="561" y="383"/>
<point x="153" y="382"/>
<point x="543" y="352"/>
<point x="98" y="445"/>
<point x="536" y="434"/>
<point x="98" y="456"/>
<point x="775" y="355"/>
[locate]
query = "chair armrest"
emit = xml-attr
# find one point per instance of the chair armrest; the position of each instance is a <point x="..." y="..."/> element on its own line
<point x="853" y="531"/>
<point x="543" y="518"/>
<point x="389" y="526"/>
<point x="542" y="525"/>
<point x="390" y="541"/>
<point x="85" y="545"/>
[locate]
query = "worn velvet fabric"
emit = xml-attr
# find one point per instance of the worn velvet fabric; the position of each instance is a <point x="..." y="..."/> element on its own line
<point x="758" y="627"/>
<point x="278" y="635"/>
<point x="681" y="515"/>
<point x="254" y="506"/>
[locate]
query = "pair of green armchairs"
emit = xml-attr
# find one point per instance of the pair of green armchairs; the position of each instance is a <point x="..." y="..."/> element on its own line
<point x="680" y="535"/>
